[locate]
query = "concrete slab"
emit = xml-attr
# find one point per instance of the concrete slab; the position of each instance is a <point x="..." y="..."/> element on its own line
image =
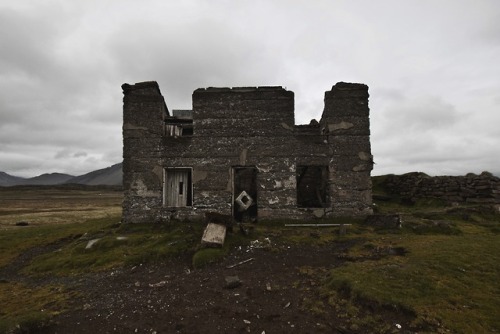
<point x="214" y="235"/>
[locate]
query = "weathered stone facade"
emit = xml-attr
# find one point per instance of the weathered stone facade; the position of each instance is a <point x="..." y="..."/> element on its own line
<point x="239" y="153"/>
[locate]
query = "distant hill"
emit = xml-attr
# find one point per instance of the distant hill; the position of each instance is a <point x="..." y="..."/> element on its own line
<point x="110" y="176"/>
<point x="9" y="180"/>
<point x="107" y="176"/>
<point x="47" y="179"/>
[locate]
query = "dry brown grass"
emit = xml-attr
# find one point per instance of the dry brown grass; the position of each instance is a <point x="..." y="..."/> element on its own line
<point x="57" y="205"/>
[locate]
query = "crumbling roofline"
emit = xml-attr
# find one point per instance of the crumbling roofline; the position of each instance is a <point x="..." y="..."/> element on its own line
<point x="128" y="91"/>
<point x="239" y="89"/>
<point x="140" y="85"/>
<point x="349" y="86"/>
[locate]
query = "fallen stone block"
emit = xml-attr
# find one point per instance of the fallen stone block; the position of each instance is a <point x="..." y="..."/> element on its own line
<point x="214" y="235"/>
<point x="232" y="282"/>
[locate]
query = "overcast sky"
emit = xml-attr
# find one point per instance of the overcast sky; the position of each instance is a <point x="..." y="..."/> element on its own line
<point x="433" y="68"/>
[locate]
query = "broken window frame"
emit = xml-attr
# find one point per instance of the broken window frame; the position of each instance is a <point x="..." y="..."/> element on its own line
<point x="315" y="194"/>
<point x="183" y="185"/>
<point x="178" y="127"/>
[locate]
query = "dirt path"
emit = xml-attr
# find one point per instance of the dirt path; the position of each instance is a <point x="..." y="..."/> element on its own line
<point x="277" y="293"/>
<point x="171" y="298"/>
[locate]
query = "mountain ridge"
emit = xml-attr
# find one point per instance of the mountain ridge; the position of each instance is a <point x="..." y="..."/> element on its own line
<point x="111" y="176"/>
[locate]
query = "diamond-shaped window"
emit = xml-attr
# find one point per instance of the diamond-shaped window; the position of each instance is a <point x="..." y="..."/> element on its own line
<point x="244" y="201"/>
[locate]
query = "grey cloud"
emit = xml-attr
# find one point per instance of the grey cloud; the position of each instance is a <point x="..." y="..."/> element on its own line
<point x="434" y="85"/>
<point x="422" y="114"/>
<point x="62" y="154"/>
<point x="80" y="154"/>
<point x="69" y="153"/>
<point x="211" y="54"/>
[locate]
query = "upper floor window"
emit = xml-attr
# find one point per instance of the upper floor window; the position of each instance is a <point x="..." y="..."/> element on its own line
<point x="180" y="124"/>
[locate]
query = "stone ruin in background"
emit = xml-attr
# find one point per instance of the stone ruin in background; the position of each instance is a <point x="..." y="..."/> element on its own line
<point x="471" y="188"/>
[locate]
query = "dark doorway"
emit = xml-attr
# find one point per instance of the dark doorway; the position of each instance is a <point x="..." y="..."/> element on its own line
<point x="245" y="194"/>
<point x="312" y="184"/>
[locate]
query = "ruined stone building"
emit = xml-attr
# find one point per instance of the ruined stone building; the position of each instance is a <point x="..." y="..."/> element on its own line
<point x="238" y="152"/>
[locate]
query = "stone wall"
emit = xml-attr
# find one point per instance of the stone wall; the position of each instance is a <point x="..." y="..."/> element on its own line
<point x="244" y="127"/>
<point x="144" y="110"/>
<point x="346" y="123"/>
<point x="472" y="188"/>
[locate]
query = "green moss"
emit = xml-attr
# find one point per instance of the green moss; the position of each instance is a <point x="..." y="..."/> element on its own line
<point x="378" y="184"/>
<point x="28" y="309"/>
<point x="126" y="245"/>
<point x="33" y="322"/>
<point x="17" y="241"/>
<point x="314" y="306"/>
<point x="207" y="256"/>
<point x="450" y="280"/>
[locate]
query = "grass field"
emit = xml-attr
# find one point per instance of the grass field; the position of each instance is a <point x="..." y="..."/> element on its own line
<point x="40" y="205"/>
<point x="442" y="267"/>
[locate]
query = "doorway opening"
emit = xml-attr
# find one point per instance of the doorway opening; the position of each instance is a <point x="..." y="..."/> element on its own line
<point x="245" y="194"/>
<point x="177" y="187"/>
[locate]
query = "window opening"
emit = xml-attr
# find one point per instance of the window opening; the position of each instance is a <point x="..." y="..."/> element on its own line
<point x="180" y="124"/>
<point x="312" y="186"/>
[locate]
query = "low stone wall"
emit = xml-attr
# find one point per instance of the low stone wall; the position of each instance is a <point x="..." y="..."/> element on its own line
<point x="471" y="188"/>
